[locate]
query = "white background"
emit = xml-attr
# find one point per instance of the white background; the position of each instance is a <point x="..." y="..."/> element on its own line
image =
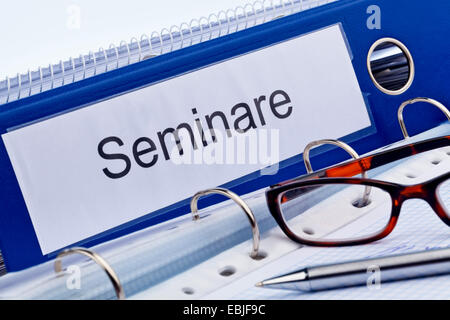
<point x="36" y="33"/>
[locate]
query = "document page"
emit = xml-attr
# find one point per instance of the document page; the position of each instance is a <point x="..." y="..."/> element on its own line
<point x="418" y="228"/>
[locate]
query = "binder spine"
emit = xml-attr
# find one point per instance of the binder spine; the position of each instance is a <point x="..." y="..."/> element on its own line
<point x="167" y="40"/>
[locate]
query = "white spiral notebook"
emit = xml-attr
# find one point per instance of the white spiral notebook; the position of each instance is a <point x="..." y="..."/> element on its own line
<point x="167" y="40"/>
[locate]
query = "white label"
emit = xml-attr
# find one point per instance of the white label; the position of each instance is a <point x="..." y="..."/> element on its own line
<point x="306" y="88"/>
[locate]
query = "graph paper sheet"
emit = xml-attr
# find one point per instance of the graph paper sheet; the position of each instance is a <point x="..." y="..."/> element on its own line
<point x="418" y="228"/>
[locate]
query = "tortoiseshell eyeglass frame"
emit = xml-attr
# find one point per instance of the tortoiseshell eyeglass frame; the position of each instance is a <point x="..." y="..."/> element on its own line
<point x="340" y="174"/>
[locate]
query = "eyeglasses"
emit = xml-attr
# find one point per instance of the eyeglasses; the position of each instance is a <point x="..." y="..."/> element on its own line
<point x="375" y="204"/>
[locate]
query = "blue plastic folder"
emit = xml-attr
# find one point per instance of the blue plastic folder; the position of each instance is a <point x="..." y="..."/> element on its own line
<point x="423" y="28"/>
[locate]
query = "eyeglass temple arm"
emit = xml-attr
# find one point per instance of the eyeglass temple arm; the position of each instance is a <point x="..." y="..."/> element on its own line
<point x="355" y="167"/>
<point x="350" y="169"/>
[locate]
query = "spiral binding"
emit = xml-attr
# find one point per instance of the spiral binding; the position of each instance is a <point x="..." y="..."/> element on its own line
<point x="2" y="266"/>
<point x="167" y="40"/>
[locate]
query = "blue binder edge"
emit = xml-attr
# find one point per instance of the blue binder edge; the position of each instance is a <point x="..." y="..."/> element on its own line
<point x="18" y="242"/>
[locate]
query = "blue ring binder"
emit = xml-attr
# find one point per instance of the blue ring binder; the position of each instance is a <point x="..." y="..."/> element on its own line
<point x="18" y="242"/>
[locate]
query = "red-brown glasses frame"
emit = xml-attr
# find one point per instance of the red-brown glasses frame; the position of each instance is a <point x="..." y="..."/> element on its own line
<point x="340" y="175"/>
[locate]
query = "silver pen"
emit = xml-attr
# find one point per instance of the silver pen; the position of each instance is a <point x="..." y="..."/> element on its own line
<point x="364" y="272"/>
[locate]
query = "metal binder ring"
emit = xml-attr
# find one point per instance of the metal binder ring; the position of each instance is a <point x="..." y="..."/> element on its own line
<point x="233" y="196"/>
<point x="420" y="99"/>
<point x="316" y="143"/>
<point x="346" y="147"/>
<point x="97" y="259"/>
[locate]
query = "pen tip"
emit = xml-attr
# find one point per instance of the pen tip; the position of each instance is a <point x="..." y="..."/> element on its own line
<point x="259" y="284"/>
